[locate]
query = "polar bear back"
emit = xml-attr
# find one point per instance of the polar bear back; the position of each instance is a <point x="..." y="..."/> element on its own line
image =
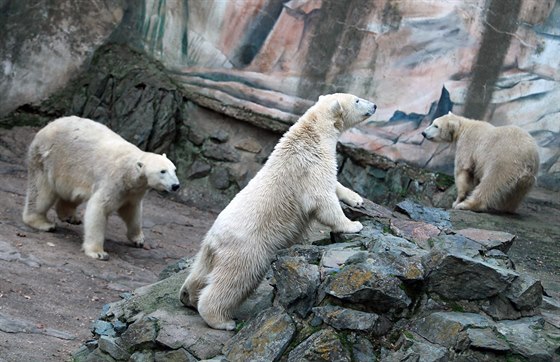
<point x="81" y="155"/>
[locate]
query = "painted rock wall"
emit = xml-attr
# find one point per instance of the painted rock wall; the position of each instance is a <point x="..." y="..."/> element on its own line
<point x="266" y="61"/>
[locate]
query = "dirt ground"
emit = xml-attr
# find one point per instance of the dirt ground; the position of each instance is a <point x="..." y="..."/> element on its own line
<point x="50" y="292"/>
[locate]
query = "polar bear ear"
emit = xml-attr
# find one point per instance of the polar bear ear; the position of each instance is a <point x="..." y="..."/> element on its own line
<point x="164" y="155"/>
<point x="451" y="113"/>
<point x="139" y="165"/>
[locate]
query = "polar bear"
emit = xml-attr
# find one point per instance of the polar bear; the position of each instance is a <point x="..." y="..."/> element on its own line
<point x="495" y="167"/>
<point x="296" y="185"/>
<point x="73" y="160"/>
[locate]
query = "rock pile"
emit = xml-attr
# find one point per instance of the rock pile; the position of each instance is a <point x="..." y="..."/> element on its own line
<point x="407" y="287"/>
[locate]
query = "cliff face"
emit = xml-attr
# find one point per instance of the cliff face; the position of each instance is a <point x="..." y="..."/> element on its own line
<point x="266" y="61"/>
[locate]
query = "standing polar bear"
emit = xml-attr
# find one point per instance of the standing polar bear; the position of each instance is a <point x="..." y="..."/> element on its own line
<point x="296" y="185"/>
<point x="495" y="167"/>
<point x="73" y="160"/>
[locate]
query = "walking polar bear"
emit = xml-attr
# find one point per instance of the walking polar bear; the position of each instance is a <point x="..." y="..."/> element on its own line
<point x="296" y="185"/>
<point x="495" y="167"/>
<point x="73" y="160"/>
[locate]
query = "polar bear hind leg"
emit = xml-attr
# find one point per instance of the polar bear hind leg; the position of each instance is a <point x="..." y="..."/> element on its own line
<point x="39" y="199"/>
<point x="66" y="211"/>
<point x="197" y="278"/>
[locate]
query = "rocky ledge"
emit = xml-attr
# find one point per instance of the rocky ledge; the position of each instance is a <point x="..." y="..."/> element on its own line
<point x="409" y="287"/>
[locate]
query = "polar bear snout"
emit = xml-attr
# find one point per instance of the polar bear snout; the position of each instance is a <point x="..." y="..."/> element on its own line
<point x="371" y="110"/>
<point x="175" y="187"/>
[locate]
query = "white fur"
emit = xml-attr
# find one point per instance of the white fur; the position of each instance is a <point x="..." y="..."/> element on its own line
<point x="495" y="167"/>
<point x="296" y="185"/>
<point x="73" y="160"/>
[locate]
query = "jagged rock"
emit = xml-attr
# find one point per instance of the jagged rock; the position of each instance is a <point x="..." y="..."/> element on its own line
<point x="362" y="349"/>
<point x="103" y="328"/>
<point x="456" y="244"/>
<point x="486" y="339"/>
<point x="141" y="334"/>
<point x="430" y="215"/>
<point x="249" y="145"/>
<point x="400" y="256"/>
<point x="220" y="136"/>
<point x="525" y="292"/>
<point x="198" y="169"/>
<point x="324" y="345"/>
<point x="219" y="178"/>
<point x="264" y="338"/>
<point x="179" y="355"/>
<point x="311" y="253"/>
<point x="142" y="356"/>
<point x="343" y="318"/>
<point x="334" y="258"/>
<point x="296" y="283"/>
<point x="444" y="328"/>
<point x="525" y="337"/>
<point x="489" y="239"/>
<point x="417" y="232"/>
<point x="366" y="285"/>
<point x="220" y="152"/>
<point x="112" y="347"/>
<point x="412" y="347"/>
<point x="258" y="301"/>
<point x="456" y="276"/>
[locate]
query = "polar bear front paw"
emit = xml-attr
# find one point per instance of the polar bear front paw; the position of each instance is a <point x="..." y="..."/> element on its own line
<point x="354" y="200"/>
<point x="137" y="240"/>
<point x="353" y="227"/>
<point x="100" y="255"/>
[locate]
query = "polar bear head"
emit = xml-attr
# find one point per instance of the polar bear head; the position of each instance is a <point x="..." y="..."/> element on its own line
<point x="159" y="172"/>
<point x="442" y="129"/>
<point x="347" y="109"/>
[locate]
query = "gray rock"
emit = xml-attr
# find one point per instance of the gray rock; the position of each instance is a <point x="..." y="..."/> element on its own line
<point x="9" y="253"/>
<point x="296" y="284"/>
<point x="9" y="324"/>
<point x="179" y="355"/>
<point x="324" y="345"/>
<point x="103" y="328"/>
<point x="142" y="356"/>
<point x="525" y="292"/>
<point x="219" y="178"/>
<point x="264" y="338"/>
<point x="98" y="356"/>
<point x="443" y="328"/>
<point x="141" y="333"/>
<point x="362" y="350"/>
<point x="455" y="277"/>
<point x="499" y="307"/>
<point x="219" y="136"/>
<point x="343" y="318"/>
<point x="311" y="253"/>
<point x="456" y="244"/>
<point x="220" y="152"/>
<point x="334" y="259"/>
<point x="258" y="301"/>
<point x="198" y="169"/>
<point x="189" y="332"/>
<point x="486" y="339"/>
<point x="401" y="257"/>
<point x="526" y="337"/>
<point x="412" y="347"/>
<point x="112" y="347"/>
<point x="373" y="288"/>
<point x="430" y="215"/>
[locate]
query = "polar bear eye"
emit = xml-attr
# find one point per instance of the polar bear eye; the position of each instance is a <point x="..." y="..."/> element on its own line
<point x="357" y="101"/>
<point x="435" y="126"/>
<point x="163" y="171"/>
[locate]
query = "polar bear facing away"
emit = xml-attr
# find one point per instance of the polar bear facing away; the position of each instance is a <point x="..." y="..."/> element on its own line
<point x="74" y="160"/>
<point x="495" y="167"/>
<point x="296" y="185"/>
